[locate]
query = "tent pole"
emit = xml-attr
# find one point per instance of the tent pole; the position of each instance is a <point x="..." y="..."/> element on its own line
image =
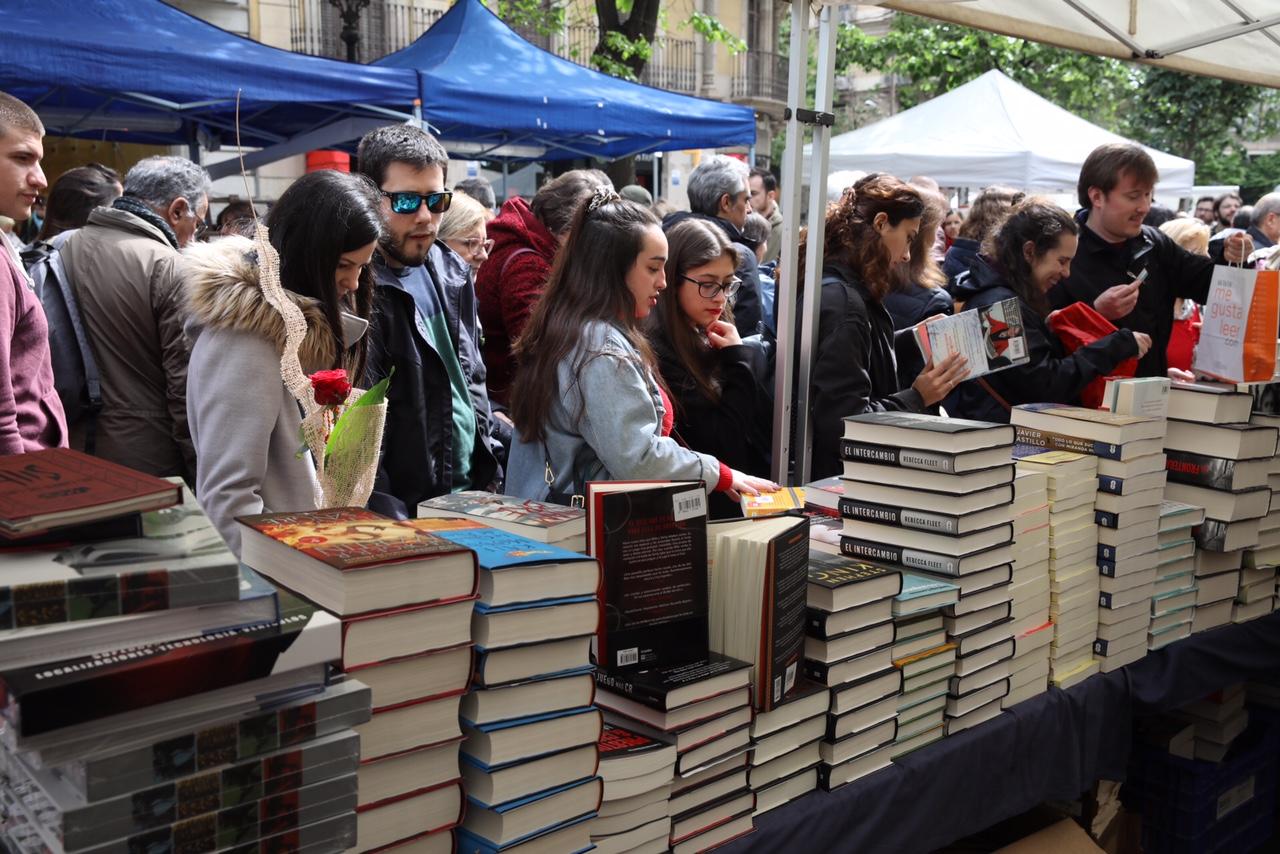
<point x="506" y="167"/>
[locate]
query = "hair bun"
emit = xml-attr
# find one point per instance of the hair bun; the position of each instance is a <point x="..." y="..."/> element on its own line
<point x="603" y="195"/>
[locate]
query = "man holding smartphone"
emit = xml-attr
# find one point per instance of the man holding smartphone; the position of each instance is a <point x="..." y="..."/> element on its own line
<point x="1131" y="273"/>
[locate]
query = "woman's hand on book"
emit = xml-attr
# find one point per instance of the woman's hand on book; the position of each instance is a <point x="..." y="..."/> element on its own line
<point x="723" y="334"/>
<point x="936" y="381"/>
<point x="749" y="485"/>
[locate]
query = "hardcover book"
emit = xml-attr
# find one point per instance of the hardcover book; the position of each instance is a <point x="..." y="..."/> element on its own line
<point x="938" y="523"/>
<point x="651" y="541"/>
<point x="180" y="561"/>
<point x="58" y="487"/>
<point x="1216" y="472"/>
<point x="922" y="432"/>
<point x="991" y="338"/>
<point x="837" y="582"/>
<point x="942" y="564"/>
<point x="666" y="688"/>
<point x="351" y="560"/>
<point x="546" y="523"/>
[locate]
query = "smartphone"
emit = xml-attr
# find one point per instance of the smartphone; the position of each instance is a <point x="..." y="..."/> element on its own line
<point x="1141" y="277"/>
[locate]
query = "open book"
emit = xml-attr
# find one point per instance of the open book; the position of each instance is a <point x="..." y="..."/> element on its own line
<point x="990" y="338"/>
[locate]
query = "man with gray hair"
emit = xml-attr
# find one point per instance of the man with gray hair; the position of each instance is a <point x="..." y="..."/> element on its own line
<point x="718" y="191"/>
<point x="125" y="269"/>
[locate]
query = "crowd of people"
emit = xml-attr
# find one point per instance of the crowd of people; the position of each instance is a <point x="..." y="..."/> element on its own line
<point x="583" y="334"/>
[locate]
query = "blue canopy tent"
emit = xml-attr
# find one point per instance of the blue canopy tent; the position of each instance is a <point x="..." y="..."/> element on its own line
<point x="483" y="84"/>
<point x="143" y="71"/>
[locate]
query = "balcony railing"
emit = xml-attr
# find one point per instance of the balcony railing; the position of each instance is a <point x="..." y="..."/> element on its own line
<point x="673" y="64"/>
<point x="760" y="75"/>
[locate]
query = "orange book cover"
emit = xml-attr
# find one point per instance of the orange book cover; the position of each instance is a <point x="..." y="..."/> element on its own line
<point x="350" y="538"/>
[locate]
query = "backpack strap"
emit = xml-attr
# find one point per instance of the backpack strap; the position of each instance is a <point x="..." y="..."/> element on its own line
<point x="92" y="378"/>
<point x="1004" y="404"/>
<point x="523" y="250"/>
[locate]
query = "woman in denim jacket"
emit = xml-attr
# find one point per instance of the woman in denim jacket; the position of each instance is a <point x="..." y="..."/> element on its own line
<point x="587" y="401"/>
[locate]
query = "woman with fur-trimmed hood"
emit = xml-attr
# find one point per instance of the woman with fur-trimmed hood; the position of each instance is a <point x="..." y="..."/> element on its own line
<point x="245" y="423"/>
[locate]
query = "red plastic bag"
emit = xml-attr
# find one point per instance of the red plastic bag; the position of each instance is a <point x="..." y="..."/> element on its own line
<point x="1079" y="325"/>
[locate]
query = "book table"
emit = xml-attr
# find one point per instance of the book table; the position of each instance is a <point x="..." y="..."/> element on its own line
<point x="1053" y="746"/>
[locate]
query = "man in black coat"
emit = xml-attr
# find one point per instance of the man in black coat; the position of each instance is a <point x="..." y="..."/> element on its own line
<point x="1116" y="249"/>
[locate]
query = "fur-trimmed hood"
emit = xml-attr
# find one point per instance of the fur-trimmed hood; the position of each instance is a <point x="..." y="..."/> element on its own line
<point x="223" y="292"/>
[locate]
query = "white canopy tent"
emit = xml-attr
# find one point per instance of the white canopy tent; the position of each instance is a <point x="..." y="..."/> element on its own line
<point x="989" y="131"/>
<point x="1230" y="39"/>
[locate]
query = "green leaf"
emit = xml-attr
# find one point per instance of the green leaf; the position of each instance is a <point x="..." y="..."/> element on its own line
<point x="339" y="437"/>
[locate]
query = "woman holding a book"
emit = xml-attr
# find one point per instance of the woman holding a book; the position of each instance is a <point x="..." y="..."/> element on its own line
<point x="720" y="405"/>
<point x="587" y="400"/>
<point x="244" y="420"/>
<point x="1024" y="257"/>
<point x="868" y="232"/>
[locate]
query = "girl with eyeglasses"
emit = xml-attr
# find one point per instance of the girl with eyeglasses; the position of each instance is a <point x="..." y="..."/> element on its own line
<point x="587" y="400"/>
<point x="720" y="405"/>
<point x="462" y="229"/>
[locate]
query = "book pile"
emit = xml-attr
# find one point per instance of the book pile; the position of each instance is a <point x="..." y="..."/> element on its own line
<point x="404" y="599"/>
<point x="1257" y="594"/>
<point x="157" y="695"/>
<point x="529" y="757"/>
<point x="849" y="651"/>
<point x="635" y="812"/>
<point x="785" y="753"/>
<point x="551" y="524"/>
<point x="1267" y="551"/>
<point x="1129" y="476"/>
<point x="925" y="662"/>
<point x="1174" y="601"/>
<point x="1074" y="582"/>
<point x="656" y="668"/>
<point x="955" y="522"/>
<point x="1032" y="629"/>
<point x="1220" y="461"/>
<point x="1217" y="720"/>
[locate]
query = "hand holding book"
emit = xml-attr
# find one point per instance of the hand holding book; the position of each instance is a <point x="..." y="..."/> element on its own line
<point x="937" y="380"/>
<point x="990" y="338"/>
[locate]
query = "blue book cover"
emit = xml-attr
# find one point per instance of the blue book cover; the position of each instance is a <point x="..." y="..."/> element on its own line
<point x="915" y="585"/>
<point x="496" y="550"/>
<point x="473" y="844"/>
<point x="508" y="806"/>
<point x="482" y="608"/>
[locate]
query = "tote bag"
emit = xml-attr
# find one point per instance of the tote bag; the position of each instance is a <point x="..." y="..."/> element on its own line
<point x="1238" y="336"/>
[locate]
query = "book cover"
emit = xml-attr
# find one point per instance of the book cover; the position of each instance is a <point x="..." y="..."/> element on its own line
<point x="619" y="742"/>
<point x="496" y="509"/>
<point x="58" y="486"/>
<point x="909" y="558"/>
<point x="835" y="571"/>
<point x="904" y="517"/>
<point x="349" y="538"/>
<point x="496" y="549"/>
<point x="783" y="617"/>
<point x="772" y="503"/>
<point x="910" y="458"/>
<point x="652" y="686"/>
<point x="991" y="338"/>
<point x="1051" y="441"/>
<point x="1202" y="470"/>
<point x="180" y="561"/>
<point x="49" y="697"/>
<point x="915" y="585"/>
<point x="652" y="547"/>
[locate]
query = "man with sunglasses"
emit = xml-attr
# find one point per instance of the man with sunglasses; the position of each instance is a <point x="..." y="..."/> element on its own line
<point x="438" y="436"/>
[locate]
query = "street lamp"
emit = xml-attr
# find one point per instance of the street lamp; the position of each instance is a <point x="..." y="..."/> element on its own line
<point x="350" y="11"/>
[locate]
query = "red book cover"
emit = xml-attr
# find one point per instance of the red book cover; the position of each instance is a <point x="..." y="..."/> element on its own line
<point x="59" y="486"/>
<point x="350" y="538"/>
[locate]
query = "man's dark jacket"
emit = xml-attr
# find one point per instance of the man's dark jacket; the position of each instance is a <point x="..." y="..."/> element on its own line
<point x="1173" y="272"/>
<point x="417" y="444"/>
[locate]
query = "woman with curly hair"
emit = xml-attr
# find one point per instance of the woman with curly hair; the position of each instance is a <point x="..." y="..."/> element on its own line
<point x="868" y="232"/>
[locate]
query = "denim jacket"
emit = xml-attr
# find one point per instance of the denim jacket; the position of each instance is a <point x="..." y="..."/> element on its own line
<point x="606" y="424"/>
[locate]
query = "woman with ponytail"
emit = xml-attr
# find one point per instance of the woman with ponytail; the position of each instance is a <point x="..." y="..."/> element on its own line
<point x="1024" y="257"/>
<point x="587" y="401"/>
<point x="868" y="232"/>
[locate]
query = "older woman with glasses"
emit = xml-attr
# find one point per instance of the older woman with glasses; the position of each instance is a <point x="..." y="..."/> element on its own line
<point x="462" y="229"/>
<point x="720" y="406"/>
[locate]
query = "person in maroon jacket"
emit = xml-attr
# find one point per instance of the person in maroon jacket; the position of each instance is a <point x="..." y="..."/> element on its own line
<point x="525" y="239"/>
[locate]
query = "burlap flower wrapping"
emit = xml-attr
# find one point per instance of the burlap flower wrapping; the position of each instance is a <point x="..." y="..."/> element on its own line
<point x="345" y="474"/>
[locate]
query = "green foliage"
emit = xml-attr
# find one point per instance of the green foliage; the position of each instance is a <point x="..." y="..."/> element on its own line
<point x="532" y="16"/>
<point x="712" y="30"/>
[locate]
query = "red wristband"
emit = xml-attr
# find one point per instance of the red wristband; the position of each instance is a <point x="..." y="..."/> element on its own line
<point x="726" y="479"/>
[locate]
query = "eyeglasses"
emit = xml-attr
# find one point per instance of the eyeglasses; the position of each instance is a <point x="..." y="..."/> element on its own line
<point x="710" y="290"/>
<point x="476" y="245"/>
<point x="406" y="202"/>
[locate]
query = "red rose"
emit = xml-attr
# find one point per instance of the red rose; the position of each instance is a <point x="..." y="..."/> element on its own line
<point x="331" y="387"/>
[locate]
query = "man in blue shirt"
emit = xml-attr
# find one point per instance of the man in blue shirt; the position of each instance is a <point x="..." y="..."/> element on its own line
<point x="424" y="333"/>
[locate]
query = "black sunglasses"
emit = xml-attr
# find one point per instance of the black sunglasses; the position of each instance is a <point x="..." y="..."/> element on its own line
<point x="406" y="202"/>
<point x="710" y="290"/>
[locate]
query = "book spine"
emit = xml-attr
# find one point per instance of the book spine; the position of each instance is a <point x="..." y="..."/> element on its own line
<point x="1211" y="536"/>
<point x="1199" y="470"/>
<point x="815" y="623"/>
<point x="1111" y="485"/>
<point x="1059" y="442"/>
<point x="653" y="697"/>
<point x="816" y="671"/>
<point x="1100" y="647"/>
<point x="910" y="558"/>
<point x="1106" y="519"/>
<point x="1106" y="553"/>
<point x="1104" y="600"/>
<point x="902" y="517"/>
<point x="1107" y="568"/>
<point x="907" y="458"/>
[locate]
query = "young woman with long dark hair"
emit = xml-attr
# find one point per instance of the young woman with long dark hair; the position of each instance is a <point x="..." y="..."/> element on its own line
<point x="720" y="406"/>
<point x="244" y="421"/>
<point x="1024" y="257"/>
<point x="868" y="232"/>
<point x="587" y="401"/>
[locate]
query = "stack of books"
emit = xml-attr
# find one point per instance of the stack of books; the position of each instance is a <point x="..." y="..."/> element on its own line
<point x="404" y="598"/>
<point x="193" y="712"/>
<point x="1218" y="720"/>
<point x="1218" y="460"/>
<point x="1174" y="601"/>
<point x="530" y="725"/>
<point x="638" y="768"/>
<point x="551" y="524"/>
<point x="785" y="752"/>
<point x="960" y="527"/>
<point x="1073" y="559"/>
<point x="849" y="651"/>
<point x="924" y="660"/>
<point x="1256" y="597"/>
<point x="656" y="664"/>
<point x="1032" y="628"/>
<point x="1267" y="551"/>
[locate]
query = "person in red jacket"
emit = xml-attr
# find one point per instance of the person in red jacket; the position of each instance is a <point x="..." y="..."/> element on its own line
<point x="525" y="239"/>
